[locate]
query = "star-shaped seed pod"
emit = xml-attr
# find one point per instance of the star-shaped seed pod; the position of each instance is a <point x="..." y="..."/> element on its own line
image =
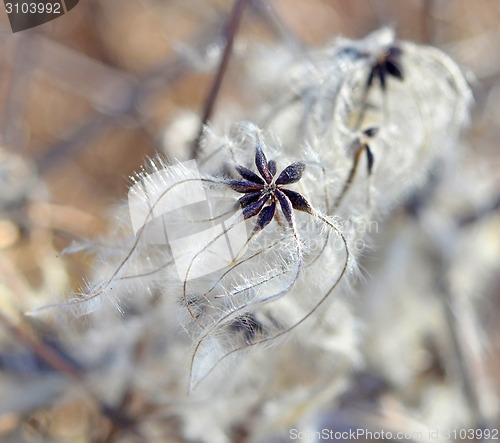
<point x="362" y="143"/>
<point x="359" y="145"/>
<point x="388" y="63"/>
<point x="264" y="193"/>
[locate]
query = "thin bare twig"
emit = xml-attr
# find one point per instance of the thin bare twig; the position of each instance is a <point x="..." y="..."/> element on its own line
<point x="232" y="29"/>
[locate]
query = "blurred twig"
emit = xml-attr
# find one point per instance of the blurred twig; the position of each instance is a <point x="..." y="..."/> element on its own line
<point x="25" y="56"/>
<point x="53" y="358"/>
<point x="41" y="349"/>
<point x="465" y="345"/>
<point x="426" y="21"/>
<point x="480" y="213"/>
<point x="265" y="9"/>
<point x="131" y="99"/>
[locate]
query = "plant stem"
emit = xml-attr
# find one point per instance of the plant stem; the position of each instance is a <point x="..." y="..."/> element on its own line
<point x="232" y="28"/>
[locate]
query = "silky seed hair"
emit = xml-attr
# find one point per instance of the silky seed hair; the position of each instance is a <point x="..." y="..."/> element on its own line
<point x="356" y="127"/>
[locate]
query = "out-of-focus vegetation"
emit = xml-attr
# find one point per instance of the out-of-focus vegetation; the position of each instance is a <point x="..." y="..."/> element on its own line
<point x="85" y="99"/>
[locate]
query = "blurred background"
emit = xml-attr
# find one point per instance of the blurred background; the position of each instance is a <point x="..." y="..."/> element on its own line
<point x="86" y="98"/>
